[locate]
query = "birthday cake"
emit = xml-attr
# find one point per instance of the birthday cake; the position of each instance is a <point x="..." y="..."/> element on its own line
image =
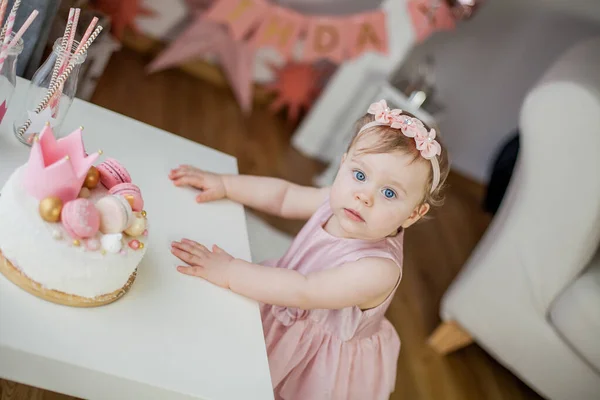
<point x="71" y="232"/>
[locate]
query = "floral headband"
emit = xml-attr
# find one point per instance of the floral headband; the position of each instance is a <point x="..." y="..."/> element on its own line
<point x="410" y="127"/>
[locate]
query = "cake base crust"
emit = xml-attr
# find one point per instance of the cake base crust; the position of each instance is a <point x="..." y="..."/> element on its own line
<point x="14" y="275"/>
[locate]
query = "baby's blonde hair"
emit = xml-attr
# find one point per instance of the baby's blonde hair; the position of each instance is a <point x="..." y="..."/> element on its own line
<point x="393" y="140"/>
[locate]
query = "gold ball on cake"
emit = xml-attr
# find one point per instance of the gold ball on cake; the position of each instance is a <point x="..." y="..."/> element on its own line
<point x="50" y="209"/>
<point x="92" y="178"/>
<point x="137" y="227"/>
<point x="85" y="193"/>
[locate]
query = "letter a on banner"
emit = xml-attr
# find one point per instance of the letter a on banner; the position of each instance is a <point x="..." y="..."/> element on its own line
<point x="325" y="38"/>
<point x="368" y="32"/>
<point x="239" y="15"/>
<point x="279" y="28"/>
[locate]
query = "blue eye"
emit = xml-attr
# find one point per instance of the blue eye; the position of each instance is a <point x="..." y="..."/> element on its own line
<point x="389" y="193"/>
<point x="359" y="175"/>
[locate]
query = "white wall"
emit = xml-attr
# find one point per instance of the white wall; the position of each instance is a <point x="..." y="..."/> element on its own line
<point x="485" y="68"/>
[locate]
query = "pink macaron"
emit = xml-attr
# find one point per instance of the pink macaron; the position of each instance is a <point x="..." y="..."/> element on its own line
<point x="129" y="189"/>
<point x="112" y="173"/>
<point x="80" y="218"/>
<point x="115" y="214"/>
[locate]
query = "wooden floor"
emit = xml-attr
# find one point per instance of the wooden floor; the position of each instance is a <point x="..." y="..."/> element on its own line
<point x="178" y="103"/>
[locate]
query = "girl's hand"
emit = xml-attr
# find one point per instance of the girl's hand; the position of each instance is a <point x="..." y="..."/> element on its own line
<point x="211" y="185"/>
<point x="213" y="266"/>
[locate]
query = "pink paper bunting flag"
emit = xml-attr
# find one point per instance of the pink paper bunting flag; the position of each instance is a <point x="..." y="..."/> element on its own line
<point x="199" y="38"/>
<point x="367" y="32"/>
<point x="280" y="29"/>
<point x="204" y="37"/>
<point x="429" y="16"/>
<point x="237" y="62"/>
<point x="239" y="15"/>
<point x="2" y="110"/>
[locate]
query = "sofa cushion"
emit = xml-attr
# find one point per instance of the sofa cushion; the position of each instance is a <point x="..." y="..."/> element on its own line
<point x="576" y="313"/>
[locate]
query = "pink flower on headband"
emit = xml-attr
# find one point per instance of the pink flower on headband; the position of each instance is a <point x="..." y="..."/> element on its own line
<point x="428" y="146"/>
<point x="383" y="113"/>
<point x="410" y="127"/>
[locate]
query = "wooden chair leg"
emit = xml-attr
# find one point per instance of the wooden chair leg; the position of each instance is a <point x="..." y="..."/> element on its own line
<point x="448" y="337"/>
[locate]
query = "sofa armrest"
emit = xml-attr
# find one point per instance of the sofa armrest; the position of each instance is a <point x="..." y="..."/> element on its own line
<point x="543" y="235"/>
<point x="548" y="226"/>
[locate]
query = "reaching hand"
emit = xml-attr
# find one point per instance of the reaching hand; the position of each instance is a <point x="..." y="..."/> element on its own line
<point x="213" y="266"/>
<point x="211" y="185"/>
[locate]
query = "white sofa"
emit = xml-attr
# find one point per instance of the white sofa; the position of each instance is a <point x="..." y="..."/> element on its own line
<point x="530" y="292"/>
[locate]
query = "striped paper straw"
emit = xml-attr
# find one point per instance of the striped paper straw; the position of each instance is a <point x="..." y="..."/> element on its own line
<point x="84" y="39"/>
<point x="70" y="39"/>
<point x="67" y="55"/>
<point x="13" y="13"/>
<point x="63" y="45"/>
<point x="87" y="33"/>
<point x="60" y="81"/>
<point x="3" y="6"/>
<point x="26" y="25"/>
<point x="9" y="27"/>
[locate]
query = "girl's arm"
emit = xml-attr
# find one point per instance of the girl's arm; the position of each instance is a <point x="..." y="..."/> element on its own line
<point x="271" y="195"/>
<point x="274" y="196"/>
<point x="356" y="283"/>
<point x="352" y="284"/>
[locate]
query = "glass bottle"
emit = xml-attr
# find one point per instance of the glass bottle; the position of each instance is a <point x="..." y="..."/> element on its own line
<point x="8" y="76"/>
<point x="34" y="114"/>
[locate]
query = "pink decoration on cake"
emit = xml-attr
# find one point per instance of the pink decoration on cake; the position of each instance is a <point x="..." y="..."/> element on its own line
<point x="2" y="110"/>
<point x="80" y="218"/>
<point x="125" y="189"/>
<point x="57" y="167"/>
<point x="134" y="244"/>
<point x="113" y="173"/>
<point x="115" y="214"/>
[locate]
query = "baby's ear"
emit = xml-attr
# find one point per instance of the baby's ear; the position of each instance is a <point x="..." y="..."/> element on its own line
<point x="424" y="209"/>
<point x="418" y="213"/>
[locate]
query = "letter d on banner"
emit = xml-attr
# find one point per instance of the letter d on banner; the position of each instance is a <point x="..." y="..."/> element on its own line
<point x="239" y="15"/>
<point x="325" y="39"/>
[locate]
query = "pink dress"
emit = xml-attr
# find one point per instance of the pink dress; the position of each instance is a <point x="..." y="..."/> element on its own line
<point x="331" y="354"/>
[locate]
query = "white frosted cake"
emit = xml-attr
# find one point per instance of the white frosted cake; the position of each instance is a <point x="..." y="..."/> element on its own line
<point x="71" y="232"/>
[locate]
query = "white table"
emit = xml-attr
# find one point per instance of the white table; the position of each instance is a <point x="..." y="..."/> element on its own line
<point x="172" y="336"/>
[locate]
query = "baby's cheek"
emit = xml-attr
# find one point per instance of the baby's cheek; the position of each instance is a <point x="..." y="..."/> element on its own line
<point x="392" y="216"/>
<point x="342" y="186"/>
